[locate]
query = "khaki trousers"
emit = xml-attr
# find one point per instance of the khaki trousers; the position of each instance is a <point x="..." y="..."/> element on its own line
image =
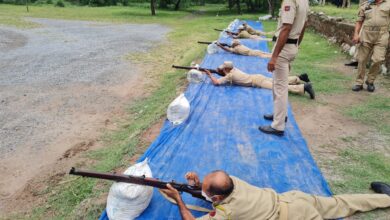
<point x="280" y="85"/>
<point x="302" y="206"/>
<point x="294" y="83"/>
<point x="259" y="54"/>
<point x="378" y="50"/>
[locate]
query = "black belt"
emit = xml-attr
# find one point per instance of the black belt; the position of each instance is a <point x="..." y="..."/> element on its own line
<point x="289" y="41"/>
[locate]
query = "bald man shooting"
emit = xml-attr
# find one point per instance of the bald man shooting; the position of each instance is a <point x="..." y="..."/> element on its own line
<point x="233" y="198"/>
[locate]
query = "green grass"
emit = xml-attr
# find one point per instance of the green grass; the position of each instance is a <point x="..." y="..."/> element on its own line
<point x="350" y="14"/>
<point x="74" y="199"/>
<point x="375" y="111"/>
<point x="316" y="57"/>
<point x="357" y="170"/>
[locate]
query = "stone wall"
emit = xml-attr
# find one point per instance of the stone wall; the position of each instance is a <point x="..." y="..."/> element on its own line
<point x="338" y="30"/>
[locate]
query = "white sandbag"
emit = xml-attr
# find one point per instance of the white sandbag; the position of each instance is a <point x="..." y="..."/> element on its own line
<point x="233" y="24"/>
<point x="265" y="17"/>
<point x="179" y="110"/>
<point x="127" y="201"/>
<point x="384" y="70"/>
<point x="195" y="76"/>
<point x="223" y="34"/>
<point x="212" y="48"/>
<point x="352" y="51"/>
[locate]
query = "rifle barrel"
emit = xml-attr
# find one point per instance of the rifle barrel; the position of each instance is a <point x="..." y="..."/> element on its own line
<point x="194" y="68"/>
<point x="204" y="42"/>
<point x="140" y="180"/>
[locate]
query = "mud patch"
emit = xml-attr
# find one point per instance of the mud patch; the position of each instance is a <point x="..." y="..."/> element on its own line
<point x="10" y="40"/>
<point x="78" y="148"/>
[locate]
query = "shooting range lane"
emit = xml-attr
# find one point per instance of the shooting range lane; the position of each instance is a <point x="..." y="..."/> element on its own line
<point x="221" y="133"/>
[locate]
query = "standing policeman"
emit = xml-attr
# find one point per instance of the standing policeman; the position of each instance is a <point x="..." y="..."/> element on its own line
<point x="373" y="22"/>
<point x="291" y="27"/>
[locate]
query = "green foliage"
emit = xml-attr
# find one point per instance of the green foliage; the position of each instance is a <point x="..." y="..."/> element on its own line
<point x="60" y="3"/>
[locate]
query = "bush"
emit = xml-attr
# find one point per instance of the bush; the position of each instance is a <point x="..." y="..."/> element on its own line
<point x="60" y="3"/>
<point x="49" y="2"/>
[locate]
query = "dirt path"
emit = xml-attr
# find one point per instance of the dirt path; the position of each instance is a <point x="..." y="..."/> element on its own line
<point x="60" y="84"/>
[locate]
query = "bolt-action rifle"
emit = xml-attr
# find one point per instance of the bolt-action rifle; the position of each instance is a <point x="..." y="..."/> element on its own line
<point x="222" y="44"/>
<point x="195" y="191"/>
<point x="194" y="68"/>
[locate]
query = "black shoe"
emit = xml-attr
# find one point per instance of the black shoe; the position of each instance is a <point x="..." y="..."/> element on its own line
<point x="270" y="117"/>
<point x="304" y="77"/>
<point x="352" y="63"/>
<point x="269" y="130"/>
<point x="381" y="188"/>
<point x="370" y="87"/>
<point x="357" y="88"/>
<point x="309" y="89"/>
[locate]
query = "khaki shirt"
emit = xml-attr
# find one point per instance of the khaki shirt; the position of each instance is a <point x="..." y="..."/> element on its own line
<point x="293" y="12"/>
<point x="375" y="15"/>
<point x="244" y="34"/>
<point x="376" y="21"/>
<point x="246" y="202"/>
<point x="237" y="77"/>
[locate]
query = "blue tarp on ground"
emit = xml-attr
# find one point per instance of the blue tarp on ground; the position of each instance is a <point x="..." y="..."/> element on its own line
<point x="222" y="133"/>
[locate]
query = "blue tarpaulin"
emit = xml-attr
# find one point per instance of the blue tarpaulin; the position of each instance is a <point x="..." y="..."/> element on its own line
<point x="222" y="133"/>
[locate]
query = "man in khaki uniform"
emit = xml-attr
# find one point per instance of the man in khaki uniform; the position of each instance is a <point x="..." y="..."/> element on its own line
<point x="232" y="75"/>
<point x="240" y="49"/>
<point x="235" y="199"/>
<point x="289" y="34"/>
<point x="252" y="31"/>
<point x="373" y="25"/>
<point x="243" y="34"/>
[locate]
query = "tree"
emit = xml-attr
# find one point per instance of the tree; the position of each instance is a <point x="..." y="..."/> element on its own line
<point x="152" y="7"/>
<point x="271" y="7"/>
<point x="177" y="5"/>
<point x="230" y="4"/>
<point x="238" y="7"/>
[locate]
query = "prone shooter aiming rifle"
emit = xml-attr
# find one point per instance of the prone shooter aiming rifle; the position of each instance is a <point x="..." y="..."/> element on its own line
<point x="222" y="44"/>
<point x="195" y="191"/>
<point x="194" y="68"/>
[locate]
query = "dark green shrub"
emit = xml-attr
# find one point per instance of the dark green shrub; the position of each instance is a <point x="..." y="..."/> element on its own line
<point x="60" y="3"/>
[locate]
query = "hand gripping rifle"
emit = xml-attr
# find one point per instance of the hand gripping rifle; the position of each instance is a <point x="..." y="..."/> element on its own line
<point x="194" y="68"/>
<point x="195" y="191"/>
<point x="206" y="42"/>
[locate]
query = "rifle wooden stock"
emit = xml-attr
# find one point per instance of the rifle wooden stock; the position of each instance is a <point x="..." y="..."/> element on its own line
<point x="140" y="180"/>
<point x="194" y="68"/>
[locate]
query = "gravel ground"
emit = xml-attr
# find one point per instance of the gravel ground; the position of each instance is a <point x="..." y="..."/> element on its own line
<point x="56" y="84"/>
